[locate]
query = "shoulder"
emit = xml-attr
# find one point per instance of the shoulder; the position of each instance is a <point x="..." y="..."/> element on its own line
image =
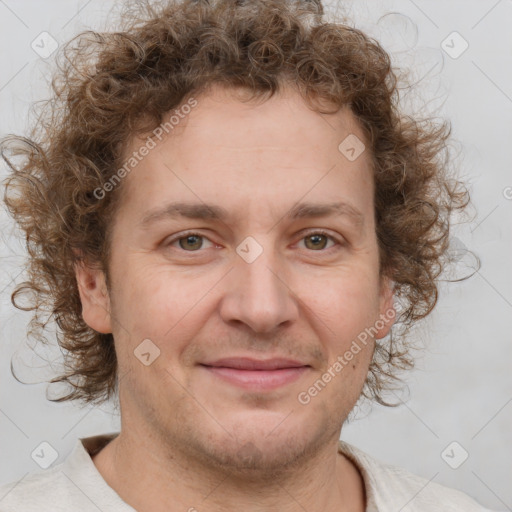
<point x="74" y="484"/>
<point x="38" y="491"/>
<point x="391" y="487"/>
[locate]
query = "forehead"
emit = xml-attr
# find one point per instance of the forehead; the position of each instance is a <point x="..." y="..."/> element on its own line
<point x="226" y="147"/>
<point x="284" y="122"/>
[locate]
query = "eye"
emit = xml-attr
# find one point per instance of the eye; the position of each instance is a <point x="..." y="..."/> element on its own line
<point x="191" y="242"/>
<point x="318" y="240"/>
<point x="315" y="241"/>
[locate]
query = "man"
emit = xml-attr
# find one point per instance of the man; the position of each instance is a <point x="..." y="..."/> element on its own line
<point x="226" y="260"/>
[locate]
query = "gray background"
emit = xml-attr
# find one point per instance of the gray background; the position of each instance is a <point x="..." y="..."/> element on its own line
<point x="461" y="389"/>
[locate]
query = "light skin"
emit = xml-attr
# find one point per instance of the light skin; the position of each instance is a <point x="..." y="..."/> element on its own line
<point x="188" y="437"/>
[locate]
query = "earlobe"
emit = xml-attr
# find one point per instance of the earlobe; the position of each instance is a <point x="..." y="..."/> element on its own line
<point x="94" y="297"/>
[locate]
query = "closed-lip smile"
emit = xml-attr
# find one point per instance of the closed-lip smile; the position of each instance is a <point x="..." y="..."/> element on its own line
<point x="257" y="374"/>
<point x="246" y="363"/>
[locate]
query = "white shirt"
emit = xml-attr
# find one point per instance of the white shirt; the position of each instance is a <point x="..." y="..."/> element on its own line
<point x="76" y="485"/>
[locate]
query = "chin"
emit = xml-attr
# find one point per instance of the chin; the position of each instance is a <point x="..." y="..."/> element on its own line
<point x="260" y="443"/>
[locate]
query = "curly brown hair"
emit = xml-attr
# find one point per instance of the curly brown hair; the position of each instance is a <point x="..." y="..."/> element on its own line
<point x="112" y="85"/>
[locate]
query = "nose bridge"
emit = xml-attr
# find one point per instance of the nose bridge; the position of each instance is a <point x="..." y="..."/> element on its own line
<point x="257" y="294"/>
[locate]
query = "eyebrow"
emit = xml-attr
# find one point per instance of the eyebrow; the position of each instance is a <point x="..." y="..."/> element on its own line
<point x="203" y="211"/>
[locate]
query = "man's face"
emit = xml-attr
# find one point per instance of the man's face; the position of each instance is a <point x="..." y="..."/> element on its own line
<point x="302" y="287"/>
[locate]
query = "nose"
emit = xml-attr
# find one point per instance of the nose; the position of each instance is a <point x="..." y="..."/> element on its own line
<point x="258" y="296"/>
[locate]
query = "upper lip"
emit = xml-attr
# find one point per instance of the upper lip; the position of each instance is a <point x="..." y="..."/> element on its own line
<point x="247" y="363"/>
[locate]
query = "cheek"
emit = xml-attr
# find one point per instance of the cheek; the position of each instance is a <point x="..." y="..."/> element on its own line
<point x="342" y="312"/>
<point x="345" y="302"/>
<point x="161" y="305"/>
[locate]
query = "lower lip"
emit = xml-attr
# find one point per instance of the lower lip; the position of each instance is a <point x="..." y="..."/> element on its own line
<point x="258" y="379"/>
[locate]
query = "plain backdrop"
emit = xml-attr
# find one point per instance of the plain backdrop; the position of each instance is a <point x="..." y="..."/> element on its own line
<point x="461" y="388"/>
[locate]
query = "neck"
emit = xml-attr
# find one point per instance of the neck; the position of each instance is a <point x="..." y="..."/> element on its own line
<point x="149" y="476"/>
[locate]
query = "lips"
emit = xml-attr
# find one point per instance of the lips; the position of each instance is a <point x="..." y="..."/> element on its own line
<point x="256" y="375"/>
<point x="245" y="363"/>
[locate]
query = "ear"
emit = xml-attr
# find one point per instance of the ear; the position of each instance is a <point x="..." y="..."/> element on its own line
<point x="387" y="313"/>
<point x="94" y="297"/>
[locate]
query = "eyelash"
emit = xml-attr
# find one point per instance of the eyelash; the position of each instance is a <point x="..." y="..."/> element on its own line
<point x="338" y="243"/>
